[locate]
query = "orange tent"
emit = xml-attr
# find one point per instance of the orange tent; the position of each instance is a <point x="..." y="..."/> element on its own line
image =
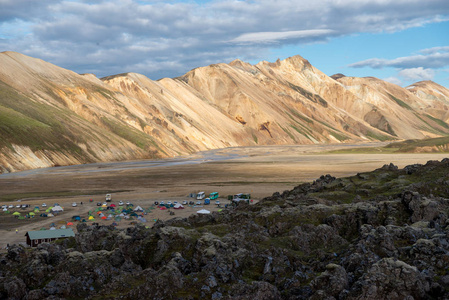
<point x="70" y="223"/>
<point x="104" y="217"/>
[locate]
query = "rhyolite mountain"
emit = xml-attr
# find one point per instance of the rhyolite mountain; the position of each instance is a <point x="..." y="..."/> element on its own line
<point x="52" y="116"/>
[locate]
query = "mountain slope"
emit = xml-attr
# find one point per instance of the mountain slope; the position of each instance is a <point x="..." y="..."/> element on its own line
<point x="52" y="116"/>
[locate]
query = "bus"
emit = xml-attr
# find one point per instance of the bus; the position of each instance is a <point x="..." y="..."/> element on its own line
<point x="213" y="195"/>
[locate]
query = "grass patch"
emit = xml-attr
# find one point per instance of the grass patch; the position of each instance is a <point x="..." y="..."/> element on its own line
<point x="438" y="121"/>
<point x="378" y="137"/>
<point x="400" y="102"/>
<point x="312" y="97"/>
<point x="255" y="138"/>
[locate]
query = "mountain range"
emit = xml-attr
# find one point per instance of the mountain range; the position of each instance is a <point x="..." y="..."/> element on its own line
<point x="51" y="116"/>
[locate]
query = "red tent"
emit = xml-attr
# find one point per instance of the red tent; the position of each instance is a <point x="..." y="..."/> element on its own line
<point x="70" y="223"/>
<point x="112" y="205"/>
<point x="163" y="208"/>
<point x="104" y="217"/>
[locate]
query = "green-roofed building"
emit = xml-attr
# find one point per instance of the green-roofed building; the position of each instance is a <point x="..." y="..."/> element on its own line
<point x="35" y="238"/>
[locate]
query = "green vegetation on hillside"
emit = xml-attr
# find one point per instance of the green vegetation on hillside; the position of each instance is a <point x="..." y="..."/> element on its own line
<point x="400" y="102"/>
<point x="28" y="123"/>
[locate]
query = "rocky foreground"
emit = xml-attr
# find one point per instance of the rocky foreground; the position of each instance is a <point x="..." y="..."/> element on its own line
<point x="377" y="235"/>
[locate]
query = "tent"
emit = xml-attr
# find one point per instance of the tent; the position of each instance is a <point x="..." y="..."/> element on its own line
<point x="50" y="215"/>
<point x="163" y="208"/>
<point x="52" y="228"/>
<point x="43" y="215"/>
<point x="104" y="217"/>
<point x="91" y="218"/>
<point x="16" y="213"/>
<point x="57" y="209"/>
<point x="114" y="224"/>
<point x="113" y="205"/>
<point x="69" y="223"/>
<point x="76" y="218"/>
<point x="52" y="225"/>
<point x="178" y="206"/>
<point x="63" y="227"/>
<point x="138" y="208"/>
<point x="133" y="214"/>
<point x="203" y="211"/>
<point x="5" y="209"/>
<point x="32" y="214"/>
<point x="142" y="219"/>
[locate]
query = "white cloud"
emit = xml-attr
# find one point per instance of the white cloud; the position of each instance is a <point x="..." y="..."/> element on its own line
<point x="393" y="80"/>
<point x="437" y="57"/>
<point x="417" y="74"/>
<point x="270" y="37"/>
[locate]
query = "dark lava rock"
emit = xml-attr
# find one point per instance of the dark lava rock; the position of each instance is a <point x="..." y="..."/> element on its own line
<point x="377" y="235"/>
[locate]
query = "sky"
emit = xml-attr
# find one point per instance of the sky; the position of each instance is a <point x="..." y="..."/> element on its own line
<point x="401" y="41"/>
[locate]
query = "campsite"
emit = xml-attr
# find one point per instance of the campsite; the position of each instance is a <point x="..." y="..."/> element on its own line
<point x="273" y="168"/>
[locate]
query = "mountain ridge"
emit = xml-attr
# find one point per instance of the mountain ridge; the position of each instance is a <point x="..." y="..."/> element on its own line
<point x="82" y="119"/>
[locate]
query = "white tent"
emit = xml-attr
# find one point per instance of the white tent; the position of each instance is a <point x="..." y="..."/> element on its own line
<point x="5" y="209"/>
<point x="138" y="208"/>
<point x="57" y="209"/>
<point x="203" y="211"/>
<point x="178" y="206"/>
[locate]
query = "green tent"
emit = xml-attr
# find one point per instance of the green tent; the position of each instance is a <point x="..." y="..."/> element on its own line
<point x="16" y="213"/>
<point x="32" y="214"/>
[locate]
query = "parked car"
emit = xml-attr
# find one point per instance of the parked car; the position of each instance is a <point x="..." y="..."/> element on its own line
<point x="198" y="202"/>
<point x="128" y="203"/>
<point x="18" y="206"/>
<point x="4" y="206"/>
<point x="105" y="204"/>
<point x="120" y="202"/>
<point x="74" y="204"/>
<point x="169" y="203"/>
<point x="25" y="205"/>
<point x="162" y="203"/>
<point x="217" y="202"/>
<point x="98" y="203"/>
<point x="10" y="206"/>
<point x="184" y="202"/>
<point x="156" y="203"/>
<point x="44" y="205"/>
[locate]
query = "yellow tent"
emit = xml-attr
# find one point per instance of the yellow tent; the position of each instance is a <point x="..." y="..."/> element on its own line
<point x="91" y="218"/>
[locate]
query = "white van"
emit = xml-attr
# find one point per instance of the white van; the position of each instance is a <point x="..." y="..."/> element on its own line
<point x="200" y="196"/>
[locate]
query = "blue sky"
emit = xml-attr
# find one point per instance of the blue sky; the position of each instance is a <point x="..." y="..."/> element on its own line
<point x="402" y="41"/>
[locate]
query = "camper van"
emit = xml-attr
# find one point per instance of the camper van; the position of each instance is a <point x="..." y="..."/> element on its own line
<point x="201" y="196"/>
<point x="108" y="198"/>
<point x="213" y="196"/>
<point x="241" y="197"/>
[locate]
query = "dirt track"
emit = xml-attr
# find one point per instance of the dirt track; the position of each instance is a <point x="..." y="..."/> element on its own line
<point x="260" y="171"/>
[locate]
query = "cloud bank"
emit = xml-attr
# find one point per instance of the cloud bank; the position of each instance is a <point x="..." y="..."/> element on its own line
<point x="412" y="68"/>
<point x="168" y="38"/>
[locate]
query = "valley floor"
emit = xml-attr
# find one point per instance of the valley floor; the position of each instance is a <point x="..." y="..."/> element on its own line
<point x="260" y="171"/>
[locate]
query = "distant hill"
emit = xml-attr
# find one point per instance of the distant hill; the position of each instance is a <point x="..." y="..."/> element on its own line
<point x="52" y="116"/>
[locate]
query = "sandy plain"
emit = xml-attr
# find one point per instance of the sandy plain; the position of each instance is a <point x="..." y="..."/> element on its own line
<point x="260" y="171"/>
